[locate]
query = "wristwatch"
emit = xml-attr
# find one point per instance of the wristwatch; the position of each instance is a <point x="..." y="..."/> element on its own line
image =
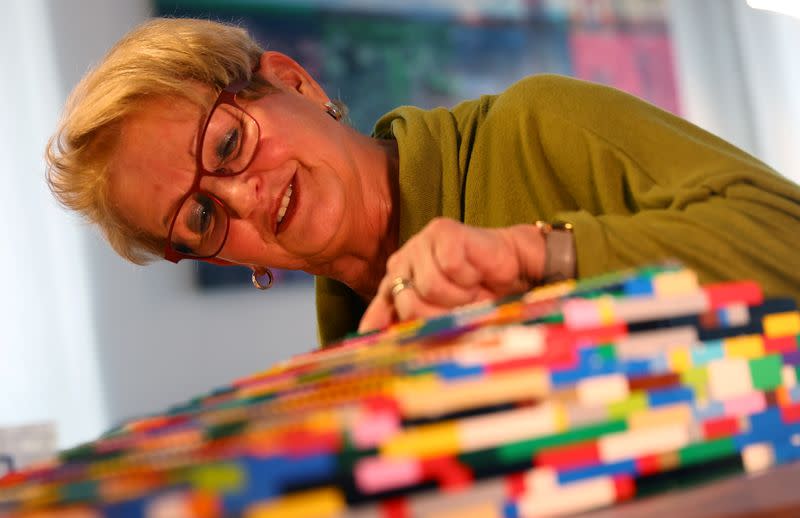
<point x="560" y="261"/>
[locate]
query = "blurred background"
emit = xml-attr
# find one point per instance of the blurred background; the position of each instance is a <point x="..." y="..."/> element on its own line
<point x="87" y="340"/>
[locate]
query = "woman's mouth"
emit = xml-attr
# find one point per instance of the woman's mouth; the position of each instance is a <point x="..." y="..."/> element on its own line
<point x="287" y="208"/>
<point x="287" y="197"/>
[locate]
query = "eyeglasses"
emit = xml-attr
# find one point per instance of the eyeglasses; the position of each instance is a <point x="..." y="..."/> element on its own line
<point x="226" y="146"/>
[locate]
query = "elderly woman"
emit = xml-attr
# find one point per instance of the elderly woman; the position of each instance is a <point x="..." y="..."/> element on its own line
<point x="189" y="141"/>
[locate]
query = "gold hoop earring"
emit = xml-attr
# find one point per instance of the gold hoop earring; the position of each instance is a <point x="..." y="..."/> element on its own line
<point x="258" y="278"/>
<point x="333" y="110"/>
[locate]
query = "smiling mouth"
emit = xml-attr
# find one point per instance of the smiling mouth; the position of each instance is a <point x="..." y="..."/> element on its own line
<point x="287" y="197"/>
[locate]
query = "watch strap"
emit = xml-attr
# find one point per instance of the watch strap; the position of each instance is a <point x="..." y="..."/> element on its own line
<point x="560" y="258"/>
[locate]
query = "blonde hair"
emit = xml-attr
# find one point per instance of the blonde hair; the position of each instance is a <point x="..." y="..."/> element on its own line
<point x="155" y="60"/>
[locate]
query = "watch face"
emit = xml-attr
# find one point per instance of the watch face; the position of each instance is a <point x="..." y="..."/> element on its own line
<point x="561" y="225"/>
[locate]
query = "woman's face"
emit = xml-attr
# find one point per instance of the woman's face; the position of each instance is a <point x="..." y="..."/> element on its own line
<point x="299" y="145"/>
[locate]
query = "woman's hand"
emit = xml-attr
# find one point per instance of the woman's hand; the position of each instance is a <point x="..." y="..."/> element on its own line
<point x="450" y="264"/>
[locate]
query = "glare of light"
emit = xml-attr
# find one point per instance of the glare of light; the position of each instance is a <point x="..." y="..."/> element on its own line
<point x="788" y="7"/>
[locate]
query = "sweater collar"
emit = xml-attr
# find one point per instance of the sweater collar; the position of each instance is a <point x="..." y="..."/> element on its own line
<point x="427" y="141"/>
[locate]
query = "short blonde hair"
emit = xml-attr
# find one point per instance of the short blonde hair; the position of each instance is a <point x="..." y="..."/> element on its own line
<point x="155" y="60"/>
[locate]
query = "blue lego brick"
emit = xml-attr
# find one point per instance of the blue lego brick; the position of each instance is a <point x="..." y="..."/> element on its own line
<point x="585" y="369"/>
<point x="766" y="422"/>
<point x="669" y="396"/>
<point x="638" y="286"/>
<point x="625" y="467"/>
<point x="262" y="484"/>
<point x="127" y="509"/>
<point x="783" y="433"/>
<point x="560" y="378"/>
<point x="307" y="469"/>
<point x="452" y="370"/>
<point x="635" y="367"/>
<point x="510" y="510"/>
<point x="785" y="452"/>
<point x="596" y="363"/>
<point x="271" y="476"/>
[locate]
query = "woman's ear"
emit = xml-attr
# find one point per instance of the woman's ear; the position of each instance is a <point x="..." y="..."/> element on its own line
<point x="284" y="72"/>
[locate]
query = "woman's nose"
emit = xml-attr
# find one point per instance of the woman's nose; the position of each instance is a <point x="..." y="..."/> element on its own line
<point x="239" y="192"/>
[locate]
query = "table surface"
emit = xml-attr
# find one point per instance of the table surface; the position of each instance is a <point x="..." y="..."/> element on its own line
<point x="774" y="493"/>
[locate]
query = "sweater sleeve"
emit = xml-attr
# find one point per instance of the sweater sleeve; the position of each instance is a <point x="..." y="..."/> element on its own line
<point x="648" y="186"/>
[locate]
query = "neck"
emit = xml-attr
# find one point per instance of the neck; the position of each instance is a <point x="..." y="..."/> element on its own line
<point x="376" y="237"/>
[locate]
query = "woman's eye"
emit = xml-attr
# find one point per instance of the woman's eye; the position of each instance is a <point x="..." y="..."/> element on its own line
<point x="201" y="215"/>
<point x="227" y="145"/>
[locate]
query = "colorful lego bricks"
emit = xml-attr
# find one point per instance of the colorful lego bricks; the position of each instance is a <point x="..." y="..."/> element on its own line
<point x="568" y="398"/>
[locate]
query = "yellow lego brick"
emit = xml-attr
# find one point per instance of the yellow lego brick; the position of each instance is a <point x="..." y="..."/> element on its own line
<point x="416" y="385"/>
<point x="745" y="346"/>
<point x="605" y="306"/>
<point x="317" y="503"/>
<point x="424" y="441"/>
<point x="561" y="416"/>
<point x="324" y="421"/>
<point x="782" y="324"/>
<point x="680" y="359"/>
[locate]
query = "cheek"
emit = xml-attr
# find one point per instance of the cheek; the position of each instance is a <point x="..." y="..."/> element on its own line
<point x="272" y="153"/>
<point x="244" y="245"/>
<point x="298" y="130"/>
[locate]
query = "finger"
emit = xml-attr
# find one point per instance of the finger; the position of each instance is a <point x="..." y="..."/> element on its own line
<point x="492" y="253"/>
<point x="408" y="304"/>
<point x="447" y="239"/>
<point x="378" y="315"/>
<point x="433" y="286"/>
<point x="449" y="255"/>
<point x="471" y="255"/>
<point x="380" y="312"/>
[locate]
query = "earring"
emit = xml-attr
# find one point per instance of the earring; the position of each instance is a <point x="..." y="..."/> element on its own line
<point x="333" y="110"/>
<point x="258" y="278"/>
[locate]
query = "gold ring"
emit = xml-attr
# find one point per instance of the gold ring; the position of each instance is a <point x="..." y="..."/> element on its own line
<point x="400" y="284"/>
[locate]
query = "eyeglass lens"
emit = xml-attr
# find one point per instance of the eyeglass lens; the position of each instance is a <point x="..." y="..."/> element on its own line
<point x="228" y="146"/>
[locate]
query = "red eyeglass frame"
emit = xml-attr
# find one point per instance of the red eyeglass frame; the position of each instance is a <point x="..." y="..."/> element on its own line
<point x="226" y="96"/>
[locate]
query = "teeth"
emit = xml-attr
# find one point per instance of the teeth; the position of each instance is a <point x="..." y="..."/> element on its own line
<point x="285" y="203"/>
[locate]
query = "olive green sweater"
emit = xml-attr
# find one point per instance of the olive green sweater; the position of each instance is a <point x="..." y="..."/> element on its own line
<point x="638" y="184"/>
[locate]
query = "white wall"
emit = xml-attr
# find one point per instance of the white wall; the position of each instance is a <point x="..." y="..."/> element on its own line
<point x="48" y="364"/>
<point x="740" y="76"/>
<point x="87" y="339"/>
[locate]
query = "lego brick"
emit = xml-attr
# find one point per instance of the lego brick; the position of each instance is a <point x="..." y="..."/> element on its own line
<point x="728" y="378"/>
